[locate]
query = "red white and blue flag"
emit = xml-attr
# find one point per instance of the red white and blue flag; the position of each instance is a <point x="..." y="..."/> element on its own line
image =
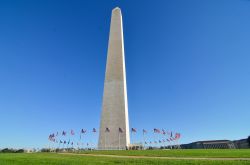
<point x="52" y="137"/>
<point x="156" y="130"/>
<point x="107" y="130"/>
<point x="177" y="136"/>
<point x="63" y="133"/>
<point x="120" y="130"/>
<point x="72" y="132"/>
<point x="83" y="131"/>
<point x="133" y="130"/>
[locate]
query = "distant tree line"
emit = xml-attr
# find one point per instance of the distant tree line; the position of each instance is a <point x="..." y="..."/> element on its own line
<point x="10" y="150"/>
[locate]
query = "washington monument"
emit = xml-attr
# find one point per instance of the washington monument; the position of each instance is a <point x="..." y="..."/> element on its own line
<point x="114" y="127"/>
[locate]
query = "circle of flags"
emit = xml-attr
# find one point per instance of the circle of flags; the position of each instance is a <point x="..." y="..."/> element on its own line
<point x="67" y="140"/>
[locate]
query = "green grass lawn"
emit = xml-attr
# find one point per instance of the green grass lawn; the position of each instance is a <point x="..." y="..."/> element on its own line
<point x="220" y="153"/>
<point x="60" y="159"/>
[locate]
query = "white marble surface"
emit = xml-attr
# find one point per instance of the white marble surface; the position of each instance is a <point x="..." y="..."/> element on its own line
<point x="115" y="106"/>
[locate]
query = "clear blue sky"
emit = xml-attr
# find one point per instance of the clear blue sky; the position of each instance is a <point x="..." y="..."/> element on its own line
<point x="188" y="67"/>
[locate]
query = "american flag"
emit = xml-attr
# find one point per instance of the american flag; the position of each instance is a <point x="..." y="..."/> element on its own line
<point x="63" y="133"/>
<point x="72" y="132"/>
<point x="107" y="130"/>
<point x="120" y="130"/>
<point x="133" y="130"/>
<point x="52" y="137"/>
<point x="83" y="131"/>
<point x="177" y="136"/>
<point x="156" y="130"/>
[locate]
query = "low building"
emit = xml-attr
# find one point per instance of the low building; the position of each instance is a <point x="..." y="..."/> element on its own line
<point x="242" y="143"/>
<point x="210" y="144"/>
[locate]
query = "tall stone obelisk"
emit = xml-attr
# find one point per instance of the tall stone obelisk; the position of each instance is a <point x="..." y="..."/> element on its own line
<point x="114" y="127"/>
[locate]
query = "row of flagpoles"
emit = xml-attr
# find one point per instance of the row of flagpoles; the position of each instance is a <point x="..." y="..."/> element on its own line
<point x="168" y="138"/>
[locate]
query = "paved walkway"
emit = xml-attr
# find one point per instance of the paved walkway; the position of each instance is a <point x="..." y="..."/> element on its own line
<point x="154" y="157"/>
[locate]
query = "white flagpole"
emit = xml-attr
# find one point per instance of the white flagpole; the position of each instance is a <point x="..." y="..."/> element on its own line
<point x="155" y="138"/>
<point x="59" y="144"/>
<point x="119" y="140"/>
<point x="79" y="142"/>
<point x="49" y="144"/>
<point x="159" y="140"/>
<point x="105" y="141"/>
<point x="131" y="133"/>
<point x="143" y="140"/>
